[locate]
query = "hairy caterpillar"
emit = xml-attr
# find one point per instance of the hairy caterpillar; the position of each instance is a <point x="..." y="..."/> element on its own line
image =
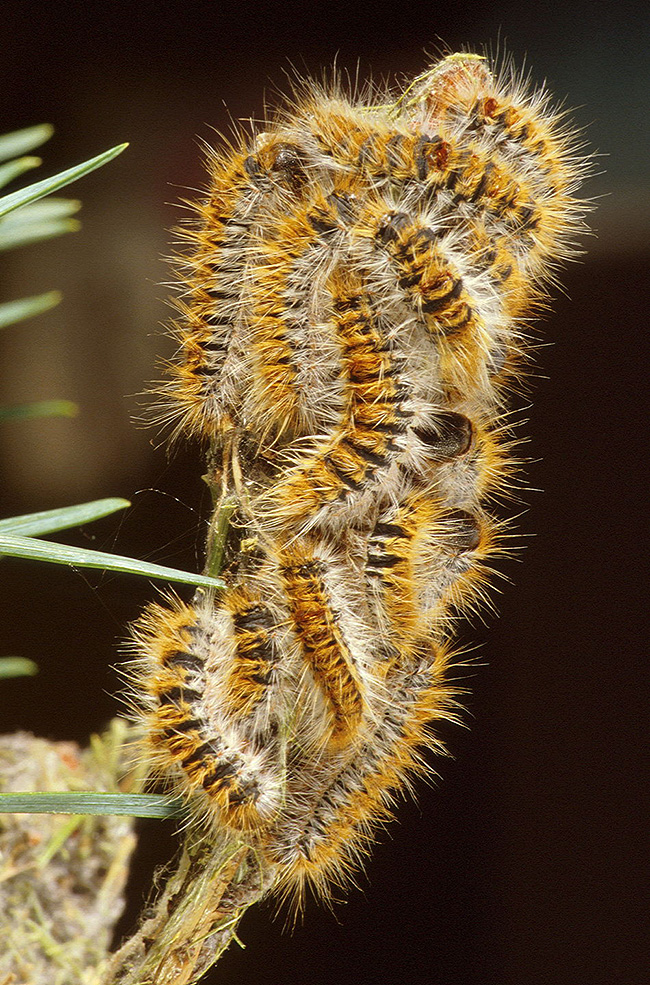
<point x="358" y="279"/>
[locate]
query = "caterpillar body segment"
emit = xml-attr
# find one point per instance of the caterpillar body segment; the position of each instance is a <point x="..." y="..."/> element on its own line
<point x="257" y="654"/>
<point x="391" y="569"/>
<point x="333" y="658"/>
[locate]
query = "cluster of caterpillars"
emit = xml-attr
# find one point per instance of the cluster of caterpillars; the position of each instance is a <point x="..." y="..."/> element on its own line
<point x="357" y="283"/>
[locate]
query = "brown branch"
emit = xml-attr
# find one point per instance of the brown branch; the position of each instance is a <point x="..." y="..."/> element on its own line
<point x="196" y="915"/>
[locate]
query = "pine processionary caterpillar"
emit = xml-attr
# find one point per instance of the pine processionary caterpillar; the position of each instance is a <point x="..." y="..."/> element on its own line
<point x="207" y="748"/>
<point x="328" y="822"/>
<point x="359" y="277"/>
<point x="319" y="631"/>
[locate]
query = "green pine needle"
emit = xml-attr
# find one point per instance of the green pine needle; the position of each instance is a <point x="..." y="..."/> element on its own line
<point x="39" y="221"/>
<point x="15" y="311"/>
<point x="36" y="234"/>
<point x="41" y="188"/>
<point x="49" y="521"/>
<point x="77" y="557"/>
<point x="89" y="802"/>
<point x="45" y="210"/>
<point x="41" y="408"/>
<point x="23" y="141"/>
<point x="14" y="169"/>
<point x="17" y="667"/>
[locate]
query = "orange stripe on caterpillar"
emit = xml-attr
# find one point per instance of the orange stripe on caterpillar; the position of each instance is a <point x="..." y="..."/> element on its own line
<point x="390" y="568"/>
<point x="318" y="630"/>
<point x="465" y="286"/>
<point x="435" y="277"/>
<point x="425" y="561"/>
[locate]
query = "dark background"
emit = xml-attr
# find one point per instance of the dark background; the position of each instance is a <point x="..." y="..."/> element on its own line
<point x="525" y="864"/>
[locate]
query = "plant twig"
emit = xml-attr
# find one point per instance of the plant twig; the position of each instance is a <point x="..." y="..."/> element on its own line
<point x="196" y="916"/>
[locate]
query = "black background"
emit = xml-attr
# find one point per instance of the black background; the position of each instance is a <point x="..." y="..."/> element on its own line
<point x="525" y="864"/>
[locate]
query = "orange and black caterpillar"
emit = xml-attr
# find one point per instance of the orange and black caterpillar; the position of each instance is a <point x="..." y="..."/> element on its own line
<point x="358" y="278"/>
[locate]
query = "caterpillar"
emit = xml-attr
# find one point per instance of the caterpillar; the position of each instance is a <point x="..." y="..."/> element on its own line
<point x="205" y="672"/>
<point x="359" y="278"/>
